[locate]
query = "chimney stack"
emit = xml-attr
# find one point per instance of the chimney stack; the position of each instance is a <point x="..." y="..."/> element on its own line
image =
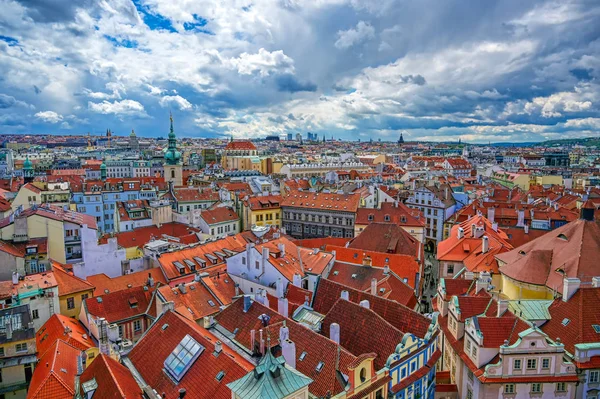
<point x="218" y="347"/>
<point x="197" y="277"/>
<point x="374" y="286"/>
<point x="345" y="295"/>
<point x="182" y="393"/>
<point x="282" y="307"/>
<point x="491" y="214"/>
<point x="288" y="351"/>
<point x="526" y="229"/>
<point x="281" y="247"/>
<point x="150" y="280"/>
<point x="485" y="244"/>
<point x="252" y="340"/>
<point x="502" y="307"/>
<point x="297" y="280"/>
<point x="364" y="303"/>
<point x="15" y="278"/>
<point x="334" y="332"/>
<point x="495" y="226"/>
<point x="182" y="288"/>
<point x="461" y="233"/>
<point x="570" y="287"/>
<point x="279" y="288"/>
<point x="284" y="332"/>
<point x="595" y="282"/>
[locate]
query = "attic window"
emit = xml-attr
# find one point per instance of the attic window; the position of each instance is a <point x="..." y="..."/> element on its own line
<point x="220" y="375"/>
<point x="354" y="275"/>
<point x="302" y="356"/>
<point x="320" y="366"/>
<point x="133" y="302"/>
<point x="182" y="357"/>
<point x="211" y="303"/>
<point x="521" y="252"/>
<point x="565" y="322"/>
<point x="371" y="216"/>
<point x="562" y="237"/>
<point x="355" y="255"/>
<point x="386" y="218"/>
<point x="335" y="273"/>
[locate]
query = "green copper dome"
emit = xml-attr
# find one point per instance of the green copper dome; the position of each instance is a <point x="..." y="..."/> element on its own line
<point x="172" y="156"/>
<point x="27" y="164"/>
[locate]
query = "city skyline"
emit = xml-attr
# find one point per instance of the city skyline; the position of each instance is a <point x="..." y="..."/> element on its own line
<point x="491" y="72"/>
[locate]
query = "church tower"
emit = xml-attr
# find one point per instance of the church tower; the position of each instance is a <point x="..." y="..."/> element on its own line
<point x="172" y="167"/>
<point x="401" y="139"/>
<point x="28" y="172"/>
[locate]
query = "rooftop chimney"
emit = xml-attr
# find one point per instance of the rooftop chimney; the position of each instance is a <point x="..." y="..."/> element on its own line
<point x="281" y="247"/>
<point x="252" y="340"/>
<point x="15" y="278"/>
<point x="595" y="282"/>
<point x="485" y="244"/>
<point x="279" y="288"/>
<point x="526" y="229"/>
<point x="334" y="332"/>
<point x="182" y="288"/>
<point x="345" y="295"/>
<point x="182" y="393"/>
<point x="284" y="332"/>
<point x="282" y="307"/>
<point x="288" y="351"/>
<point x="218" y="347"/>
<point x="502" y="307"/>
<point x="520" y="218"/>
<point x="495" y="226"/>
<point x="364" y="303"/>
<point x="491" y="213"/>
<point x="197" y="277"/>
<point x="386" y="267"/>
<point x="150" y="280"/>
<point x="374" y="286"/>
<point x="297" y="280"/>
<point x="570" y="287"/>
<point x="461" y="233"/>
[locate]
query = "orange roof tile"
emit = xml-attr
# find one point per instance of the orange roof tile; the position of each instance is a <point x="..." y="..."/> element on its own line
<point x="114" y="380"/>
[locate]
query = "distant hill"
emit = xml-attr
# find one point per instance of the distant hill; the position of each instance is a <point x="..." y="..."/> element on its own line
<point x="587" y="142"/>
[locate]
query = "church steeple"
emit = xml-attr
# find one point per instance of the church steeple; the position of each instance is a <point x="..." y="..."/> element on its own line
<point x="172" y="156"/>
<point x="401" y="139"/>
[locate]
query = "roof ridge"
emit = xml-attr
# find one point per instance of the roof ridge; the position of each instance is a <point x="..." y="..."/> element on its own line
<point x="110" y="371"/>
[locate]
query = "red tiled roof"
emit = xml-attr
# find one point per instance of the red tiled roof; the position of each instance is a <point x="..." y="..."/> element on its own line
<point x="117" y="306"/>
<point x="54" y="376"/>
<point x="398" y="214"/>
<point x="326" y="202"/>
<point x="64" y="328"/>
<point x="114" y="380"/>
<point x="582" y="311"/>
<point x="150" y="352"/>
<point x="240" y="145"/>
<point x="264" y="202"/>
<point x="220" y="284"/>
<point x="194" y="304"/>
<point x="68" y="283"/>
<point x="553" y="256"/>
<point x="138" y="279"/>
<point x="143" y="235"/>
<point x="398" y="315"/>
<point x="322" y="243"/>
<point x="317" y="347"/>
<point x="194" y="194"/>
<point x="387" y="238"/>
<point x="221" y="214"/>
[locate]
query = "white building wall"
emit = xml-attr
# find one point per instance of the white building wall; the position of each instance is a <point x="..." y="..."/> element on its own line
<point x="97" y="258"/>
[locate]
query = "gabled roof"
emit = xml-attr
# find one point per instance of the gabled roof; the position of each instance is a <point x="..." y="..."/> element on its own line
<point x="220" y="214"/>
<point x="114" y="381"/>
<point x="124" y="304"/>
<point x="200" y="381"/>
<point x="196" y="303"/>
<point x="143" y="235"/>
<point x="64" y="328"/>
<point x="240" y="145"/>
<point x="54" y="376"/>
<point x="194" y="194"/>
<point x="387" y="238"/>
<point x="398" y="315"/>
<point x="105" y="284"/>
<point x="68" y="283"/>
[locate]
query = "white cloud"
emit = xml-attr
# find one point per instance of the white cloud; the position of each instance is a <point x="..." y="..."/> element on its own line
<point x="264" y="63"/>
<point x="175" y="101"/>
<point x="348" y="38"/>
<point x="49" y="116"/>
<point x="120" y="108"/>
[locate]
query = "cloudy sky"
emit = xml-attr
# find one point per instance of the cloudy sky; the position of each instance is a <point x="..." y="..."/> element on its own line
<point x="493" y="70"/>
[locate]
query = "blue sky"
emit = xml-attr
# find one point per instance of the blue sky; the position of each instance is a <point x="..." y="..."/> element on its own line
<point x="494" y="70"/>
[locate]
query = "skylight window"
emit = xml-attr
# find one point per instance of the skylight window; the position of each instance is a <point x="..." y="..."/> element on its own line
<point x="596" y="328"/>
<point x="220" y="375"/>
<point x="182" y="357"/>
<point x="565" y="322"/>
<point x="211" y="303"/>
<point x="562" y="237"/>
<point x="302" y="356"/>
<point x="320" y="367"/>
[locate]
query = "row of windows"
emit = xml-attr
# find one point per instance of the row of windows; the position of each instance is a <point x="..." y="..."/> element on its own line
<point x="318" y="218"/>
<point x="531" y="364"/>
<point x="536" y="387"/>
<point x="222" y="229"/>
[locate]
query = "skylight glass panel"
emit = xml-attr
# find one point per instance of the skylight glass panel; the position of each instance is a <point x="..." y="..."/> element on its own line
<point x="182" y="357"/>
